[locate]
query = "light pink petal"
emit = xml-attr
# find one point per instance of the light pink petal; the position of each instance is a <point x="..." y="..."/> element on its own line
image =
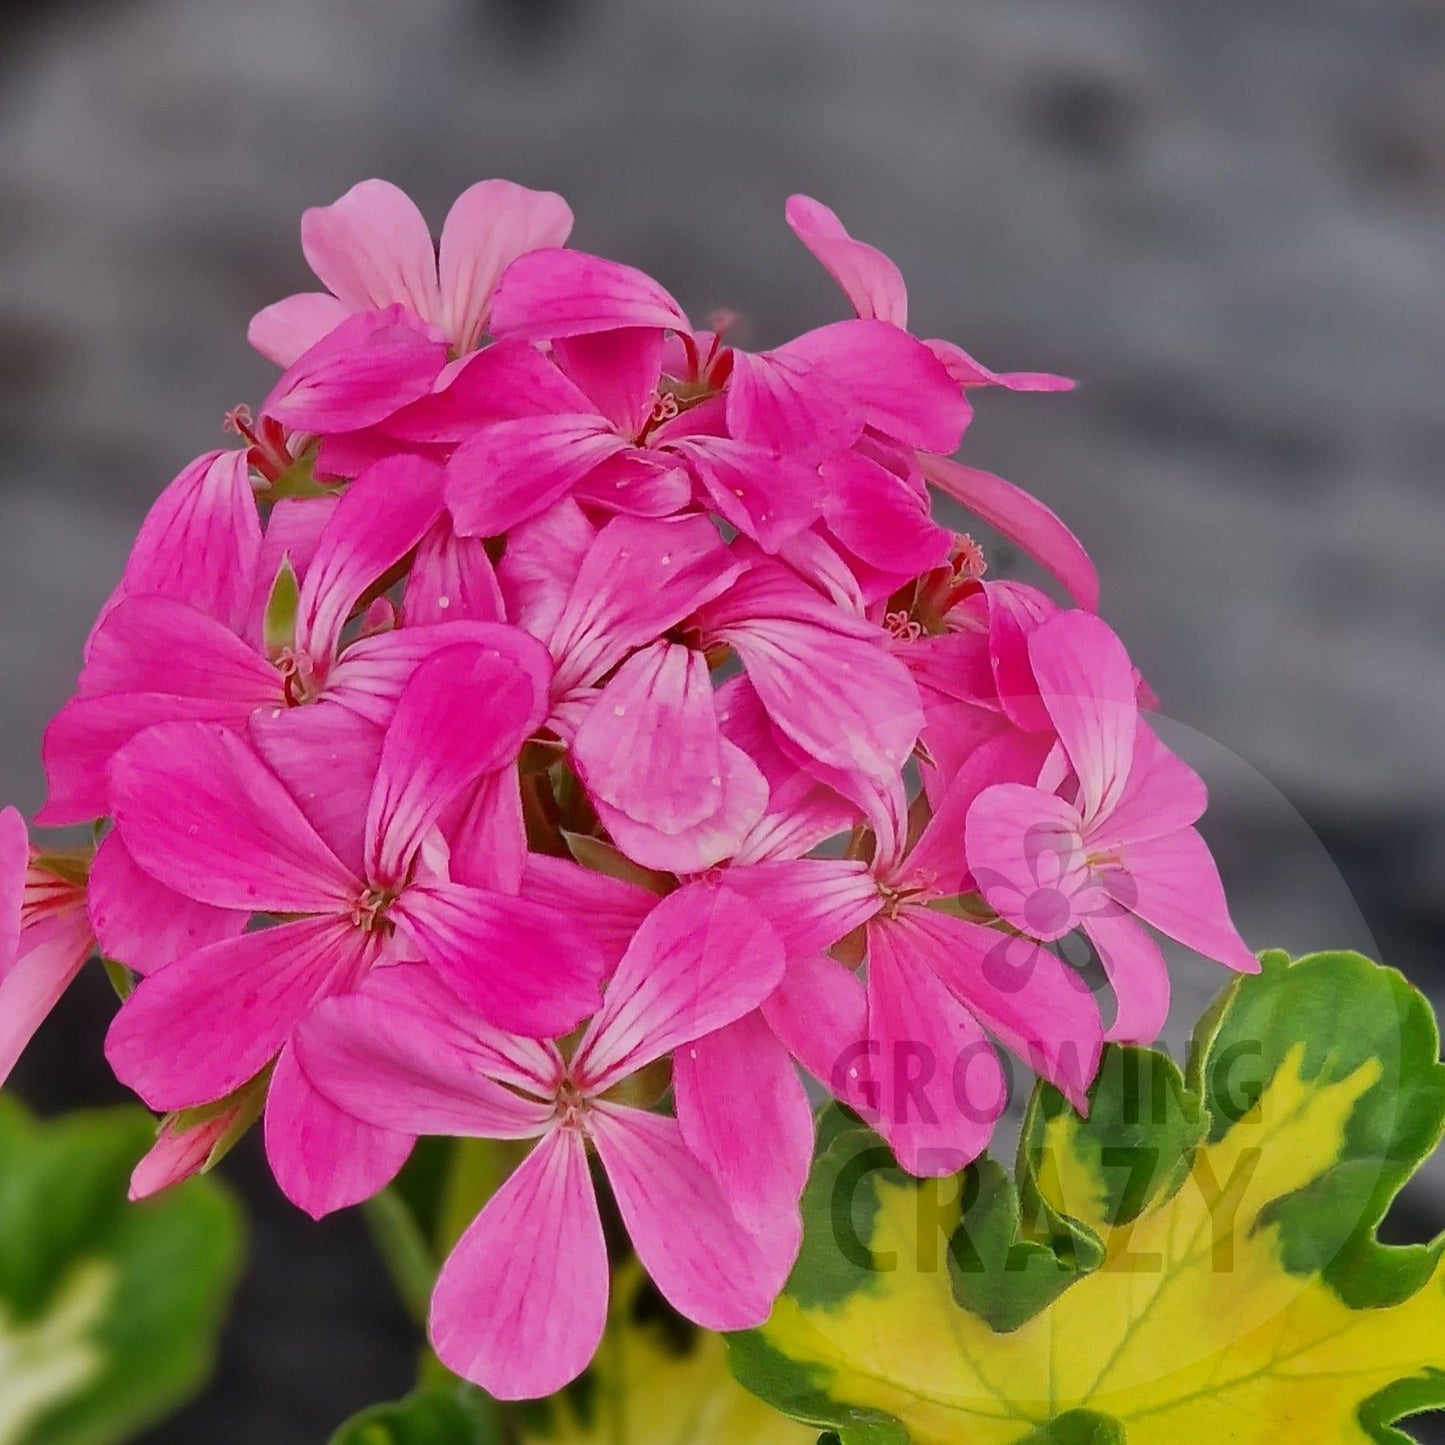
<point x="1024" y="520"/>
<point x="618" y="371"/>
<point x="870" y="281"/>
<point x="372" y="248"/>
<point x="525" y="968"/>
<point x="639" y="578"/>
<point x="400" y="1065"/>
<point x="614" y="910"/>
<point x="142" y="923"/>
<point x="515" y="470"/>
<point x="767" y="497"/>
<point x="880" y="518"/>
<point x="14" y="860"/>
<point x="700" y="960"/>
<point x="199" y="811"/>
<point x="1086" y="682"/>
<point x="327" y="757"/>
<point x="201" y="541"/>
<point x="968" y="372"/>
<point x="157" y="644"/>
<point x="323" y="1158"/>
<point x="201" y="1027"/>
<point x="51" y="953"/>
<point x="1015" y="613"/>
<point x="1137" y="973"/>
<point x="1172" y="883"/>
<point x="287" y="329"/>
<point x="451" y="577"/>
<point x="548" y="294"/>
<point x="1032" y="1002"/>
<point x="650" y="746"/>
<point x="811" y="903"/>
<point x="718" y="1272"/>
<point x="488" y="227"/>
<point x="790" y="406"/>
<point x="820" y="1014"/>
<point x="521" y="1303"/>
<point x="466" y="711"/>
<point x="745" y="1115"/>
<point x="900" y="385"/>
<point x="383" y="515"/>
<point x="939" y="1085"/>
<point x="87" y="732"/>
<point x="371" y="366"/>
<point x="1163" y="794"/>
<point x="1028" y="858"/>
<point x="180" y="1152"/>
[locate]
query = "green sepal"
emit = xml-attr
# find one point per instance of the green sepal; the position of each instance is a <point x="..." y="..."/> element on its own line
<point x="279" y="628"/>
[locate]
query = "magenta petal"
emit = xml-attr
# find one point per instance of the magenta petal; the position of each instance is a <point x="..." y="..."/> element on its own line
<point x="719" y="1273"/>
<point x="142" y="923"/>
<point x="1172" y="883"/>
<point x="202" y="813"/>
<point x="465" y="712"/>
<point x="287" y="329"/>
<point x="51" y="953"/>
<point x="820" y="1014"/>
<point x="618" y="371"/>
<point x="383" y="515"/>
<point x="548" y="294"/>
<point x="870" y="281"/>
<point x="1087" y="684"/>
<point x="525" y="968"/>
<point x="203" y="1026"/>
<point x="700" y="960"/>
<point x="14" y="860"/>
<point x="614" y="910"/>
<point x="811" y="903"/>
<point x="323" y="1158"/>
<point x="639" y="483"/>
<point x="1024" y="520"/>
<point x="487" y="228"/>
<point x="1137" y="973"/>
<point x="790" y="407"/>
<point x="451" y="577"/>
<point x="521" y="1303"/>
<point x="967" y="372"/>
<point x="767" y="497"/>
<point x="745" y="1115"/>
<point x="881" y="518"/>
<point x="372" y="248"/>
<point x="1163" y="794"/>
<point x="940" y="1087"/>
<point x="904" y="391"/>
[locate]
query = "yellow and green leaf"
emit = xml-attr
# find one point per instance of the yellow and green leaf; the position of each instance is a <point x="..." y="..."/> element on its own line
<point x="1196" y="1260"/>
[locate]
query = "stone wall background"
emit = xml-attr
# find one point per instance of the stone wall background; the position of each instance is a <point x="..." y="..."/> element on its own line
<point x="1226" y="220"/>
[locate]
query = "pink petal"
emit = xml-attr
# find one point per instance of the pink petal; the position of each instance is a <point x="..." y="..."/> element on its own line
<point x="767" y="497"/>
<point x="1163" y="794"/>
<point x="372" y="365"/>
<point x="903" y="389"/>
<point x="323" y="1158"/>
<point x="716" y="1271"/>
<point x="614" y="910"/>
<point x="650" y="745"/>
<point x="940" y="1087"/>
<point x="396" y="1062"/>
<point x="790" y="406"/>
<point x="201" y="1027"/>
<point x="700" y="960"/>
<point x="287" y="329"/>
<point x="745" y="1115"/>
<point x="548" y="294"/>
<point x="525" y="968"/>
<point x="820" y="1014"/>
<point x="1024" y="520"/>
<point x="486" y="834"/>
<point x="521" y="1304"/>
<point x="142" y="923"/>
<point x="618" y="371"/>
<point x="967" y="372"/>
<point x="383" y="515"/>
<point x="540" y="566"/>
<point x="489" y="226"/>
<point x="812" y="903"/>
<point x="1137" y="974"/>
<point x="180" y="1152"/>
<point x="14" y="861"/>
<point x="1029" y="1000"/>
<point x="1087" y="684"/>
<point x="465" y="712"/>
<point x="372" y="248"/>
<point x="51" y="953"/>
<point x="1172" y="883"/>
<point x="199" y="811"/>
<point x="870" y="281"/>
<point x="880" y="518"/>
<point x="638" y="483"/>
<point x="451" y="577"/>
<point x="1015" y="613"/>
<point x="293" y="533"/>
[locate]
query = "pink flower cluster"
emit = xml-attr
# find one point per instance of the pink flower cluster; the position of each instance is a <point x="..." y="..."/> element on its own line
<point x="559" y="724"/>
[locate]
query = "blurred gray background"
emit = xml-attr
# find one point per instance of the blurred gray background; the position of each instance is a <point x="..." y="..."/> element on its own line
<point x="1228" y="221"/>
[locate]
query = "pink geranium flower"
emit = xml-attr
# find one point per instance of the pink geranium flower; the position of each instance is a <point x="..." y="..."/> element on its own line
<point x="521" y="1303"/>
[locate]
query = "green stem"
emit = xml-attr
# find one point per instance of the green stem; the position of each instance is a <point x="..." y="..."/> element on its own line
<point x="404" y="1250"/>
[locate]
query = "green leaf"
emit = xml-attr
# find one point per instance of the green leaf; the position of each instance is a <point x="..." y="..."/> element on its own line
<point x="1195" y="1260"/>
<point x="109" y="1312"/>
<point x="444" y="1415"/>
